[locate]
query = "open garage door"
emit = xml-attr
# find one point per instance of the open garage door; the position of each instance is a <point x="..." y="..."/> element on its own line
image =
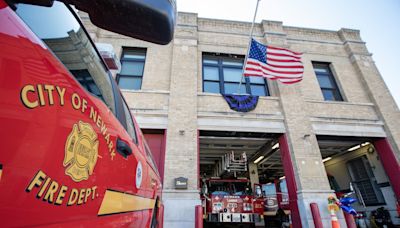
<point x="358" y="161"/>
<point x="216" y="145"/>
<point x="255" y="158"/>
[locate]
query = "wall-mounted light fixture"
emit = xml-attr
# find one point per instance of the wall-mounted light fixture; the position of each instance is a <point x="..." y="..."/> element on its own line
<point x="275" y="146"/>
<point x="358" y="146"/>
<point x="370" y="150"/>
<point x="258" y="159"/>
<point x="326" y="159"/>
<point x="354" y="148"/>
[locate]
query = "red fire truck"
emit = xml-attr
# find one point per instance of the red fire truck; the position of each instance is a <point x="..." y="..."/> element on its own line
<point x="276" y="203"/>
<point x="275" y="196"/>
<point x="230" y="201"/>
<point x="71" y="153"/>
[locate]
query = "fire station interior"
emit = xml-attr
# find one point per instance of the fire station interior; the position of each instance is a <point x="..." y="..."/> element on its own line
<point x="346" y="159"/>
<point x="257" y="148"/>
<point x="353" y="166"/>
<point x="256" y="158"/>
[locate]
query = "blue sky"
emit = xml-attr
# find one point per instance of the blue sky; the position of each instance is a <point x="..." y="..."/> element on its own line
<point x="377" y="20"/>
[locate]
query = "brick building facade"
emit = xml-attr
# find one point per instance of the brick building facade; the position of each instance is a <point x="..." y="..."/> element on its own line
<point x="171" y="99"/>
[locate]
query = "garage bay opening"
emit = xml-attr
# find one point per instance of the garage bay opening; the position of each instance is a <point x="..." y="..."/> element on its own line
<point x="242" y="180"/>
<point x="358" y="166"/>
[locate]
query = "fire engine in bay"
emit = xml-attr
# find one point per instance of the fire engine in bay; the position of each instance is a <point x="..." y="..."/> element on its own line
<point x="231" y="201"/>
<point x="71" y="153"/>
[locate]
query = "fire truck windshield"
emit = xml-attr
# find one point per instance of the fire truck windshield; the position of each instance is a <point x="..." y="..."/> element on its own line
<point x="229" y="188"/>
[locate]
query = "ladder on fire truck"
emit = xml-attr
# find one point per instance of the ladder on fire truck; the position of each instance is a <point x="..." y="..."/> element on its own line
<point x="231" y="163"/>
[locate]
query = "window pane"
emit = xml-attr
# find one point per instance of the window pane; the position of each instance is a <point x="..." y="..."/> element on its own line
<point x="338" y="97"/>
<point x="150" y="155"/>
<point x="328" y="95"/>
<point x="233" y="75"/>
<point x="211" y="73"/>
<point x="269" y="189"/>
<point x="62" y="33"/>
<point x="94" y="89"/>
<point x="232" y="62"/>
<point x="134" y="54"/>
<point x="321" y="70"/>
<point x="129" y="122"/>
<point x="132" y="68"/>
<point x="283" y="186"/>
<point x="211" y="87"/>
<point x="49" y="22"/>
<point x="86" y="80"/>
<point x="325" y="82"/>
<point x="231" y="88"/>
<point x="210" y="61"/>
<point x="258" y="90"/>
<point x="257" y="80"/>
<point x="133" y="83"/>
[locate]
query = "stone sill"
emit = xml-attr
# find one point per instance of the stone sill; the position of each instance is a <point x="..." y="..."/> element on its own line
<point x="202" y="94"/>
<point x="340" y="103"/>
<point x="145" y="91"/>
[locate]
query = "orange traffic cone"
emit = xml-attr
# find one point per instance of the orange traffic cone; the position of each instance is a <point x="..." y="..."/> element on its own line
<point x="334" y="220"/>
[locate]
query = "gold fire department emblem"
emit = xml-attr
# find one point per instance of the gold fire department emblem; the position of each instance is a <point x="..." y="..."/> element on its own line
<point x="81" y="152"/>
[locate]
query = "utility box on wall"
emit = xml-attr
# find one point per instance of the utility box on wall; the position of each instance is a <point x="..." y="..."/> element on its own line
<point x="181" y="183"/>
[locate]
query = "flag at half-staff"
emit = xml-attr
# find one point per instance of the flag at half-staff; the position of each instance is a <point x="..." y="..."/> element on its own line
<point x="274" y="63"/>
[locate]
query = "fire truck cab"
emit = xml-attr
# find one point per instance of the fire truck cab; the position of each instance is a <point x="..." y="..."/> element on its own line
<point x="71" y="152"/>
<point x="231" y="201"/>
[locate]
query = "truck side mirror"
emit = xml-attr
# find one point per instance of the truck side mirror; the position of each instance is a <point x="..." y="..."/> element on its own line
<point x="149" y="20"/>
<point x="258" y="191"/>
<point x="204" y="188"/>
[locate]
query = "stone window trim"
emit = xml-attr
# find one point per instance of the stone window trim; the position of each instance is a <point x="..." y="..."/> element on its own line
<point x="132" y="68"/>
<point x="328" y="82"/>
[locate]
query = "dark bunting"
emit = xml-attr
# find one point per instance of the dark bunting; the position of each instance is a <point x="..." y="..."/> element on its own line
<point x="241" y="103"/>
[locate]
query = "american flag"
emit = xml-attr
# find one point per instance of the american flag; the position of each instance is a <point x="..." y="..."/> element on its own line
<point x="274" y="63"/>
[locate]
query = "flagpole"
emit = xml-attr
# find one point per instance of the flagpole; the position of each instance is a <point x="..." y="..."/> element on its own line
<point x="248" y="46"/>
